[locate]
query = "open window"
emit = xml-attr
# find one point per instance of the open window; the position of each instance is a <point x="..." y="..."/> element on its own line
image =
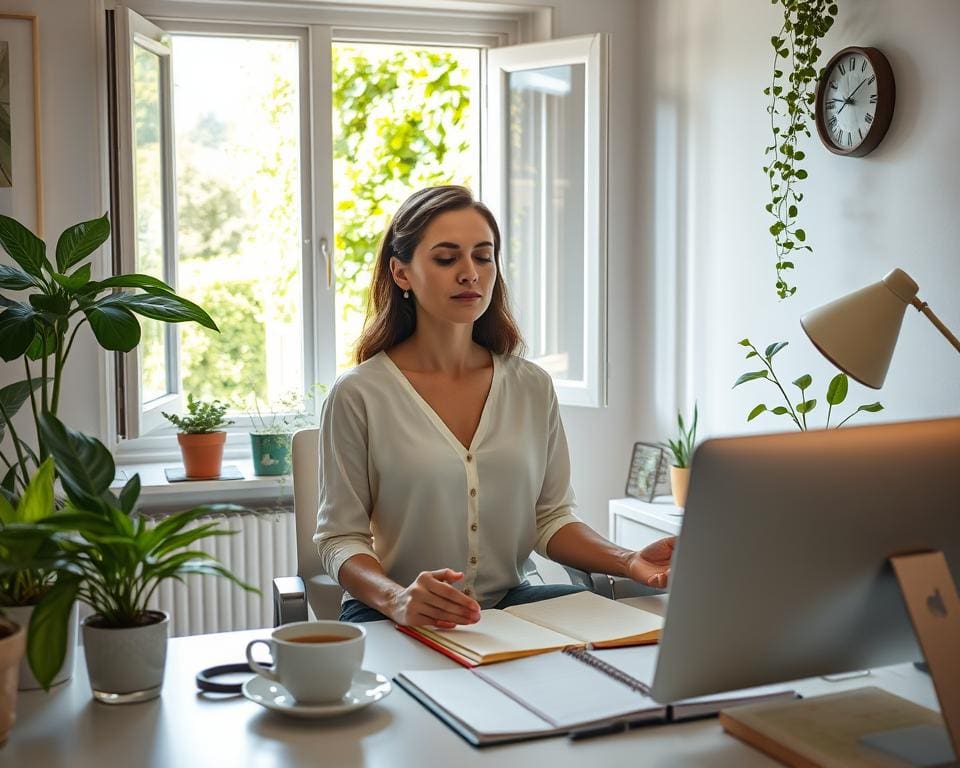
<point x="545" y="177"/>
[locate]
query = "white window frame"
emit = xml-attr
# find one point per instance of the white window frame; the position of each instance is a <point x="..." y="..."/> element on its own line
<point x="592" y="52"/>
<point x="435" y="22"/>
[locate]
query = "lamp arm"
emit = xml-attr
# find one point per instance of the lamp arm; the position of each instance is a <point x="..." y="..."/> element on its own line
<point x="922" y="307"/>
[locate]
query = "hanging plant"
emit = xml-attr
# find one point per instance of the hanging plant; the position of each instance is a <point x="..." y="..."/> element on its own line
<point x="792" y="94"/>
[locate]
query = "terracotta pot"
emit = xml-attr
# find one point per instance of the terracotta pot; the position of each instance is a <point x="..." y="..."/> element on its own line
<point x="679" y="481"/>
<point x="13" y="644"/>
<point x="21" y="615"/>
<point x="202" y="454"/>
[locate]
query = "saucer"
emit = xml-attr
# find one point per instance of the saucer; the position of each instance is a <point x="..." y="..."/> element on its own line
<point x="367" y="687"/>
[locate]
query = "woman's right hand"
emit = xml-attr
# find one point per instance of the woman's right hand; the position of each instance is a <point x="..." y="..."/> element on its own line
<point x="431" y="600"/>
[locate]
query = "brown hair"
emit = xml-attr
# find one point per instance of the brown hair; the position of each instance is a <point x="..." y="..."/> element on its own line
<point x="391" y="318"/>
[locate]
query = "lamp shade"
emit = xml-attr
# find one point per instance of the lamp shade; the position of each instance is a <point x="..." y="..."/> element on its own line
<point x="857" y="333"/>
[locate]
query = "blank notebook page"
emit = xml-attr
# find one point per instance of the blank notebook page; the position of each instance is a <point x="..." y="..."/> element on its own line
<point x="588" y="617"/>
<point x="565" y="691"/>
<point x="497" y="632"/>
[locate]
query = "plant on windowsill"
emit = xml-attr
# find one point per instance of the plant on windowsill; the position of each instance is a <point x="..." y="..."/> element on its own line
<point x="273" y="426"/>
<point x="682" y="450"/>
<point x="107" y="556"/>
<point x="835" y="395"/>
<point x="200" y="437"/>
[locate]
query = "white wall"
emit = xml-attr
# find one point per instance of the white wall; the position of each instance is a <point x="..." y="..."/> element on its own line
<point x="896" y="207"/>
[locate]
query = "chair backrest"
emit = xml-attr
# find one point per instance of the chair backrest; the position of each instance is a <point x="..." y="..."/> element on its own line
<point x="306" y="498"/>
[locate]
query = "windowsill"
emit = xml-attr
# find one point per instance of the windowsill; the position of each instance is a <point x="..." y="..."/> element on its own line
<point x="252" y="490"/>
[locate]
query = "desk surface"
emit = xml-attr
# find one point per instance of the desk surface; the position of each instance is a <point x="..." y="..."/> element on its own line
<point x="184" y="729"/>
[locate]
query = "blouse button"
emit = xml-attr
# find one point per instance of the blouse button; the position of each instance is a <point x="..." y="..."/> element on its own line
<point x="469" y="457"/>
<point x="474" y="526"/>
<point x="473" y="491"/>
<point x="473" y="560"/>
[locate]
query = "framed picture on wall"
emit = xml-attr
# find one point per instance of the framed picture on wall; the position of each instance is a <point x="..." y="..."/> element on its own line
<point x="649" y="472"/>
<point x="21" y="181"/>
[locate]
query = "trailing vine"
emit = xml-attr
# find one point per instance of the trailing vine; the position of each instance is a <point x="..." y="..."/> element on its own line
<point x="791" y="109"/>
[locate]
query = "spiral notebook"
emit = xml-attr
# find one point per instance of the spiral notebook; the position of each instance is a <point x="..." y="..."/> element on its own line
<point x="569" y="691"/>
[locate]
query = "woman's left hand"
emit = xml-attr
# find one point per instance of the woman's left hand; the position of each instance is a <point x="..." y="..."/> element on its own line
<point x="651" y="565"/>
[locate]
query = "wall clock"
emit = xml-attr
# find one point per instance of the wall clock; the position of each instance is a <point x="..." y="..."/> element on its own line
<point x="855" y="99"/>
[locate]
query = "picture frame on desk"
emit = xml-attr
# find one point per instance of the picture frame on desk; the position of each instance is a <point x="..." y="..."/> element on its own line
<point x="21" y="181"/>
<point x="649" y="472"/>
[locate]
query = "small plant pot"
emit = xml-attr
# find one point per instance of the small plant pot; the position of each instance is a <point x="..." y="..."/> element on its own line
<point x="202" y="454"/>
<point x="13" y="644"/>
<point x="21" y="615"/>
<point x="679" y="482"/>
<point x="271" y="453"/>
<point x="126" y="665"/>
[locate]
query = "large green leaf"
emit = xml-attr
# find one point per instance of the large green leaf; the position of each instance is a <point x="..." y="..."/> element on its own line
<point x="80" y="240"/>
<point x="13" y="396"/>
<point x="37" y="500"/>
<point x="166" y="307"/>
<point x="804" y="381"/>
<point x="147" y="282"/>
<point x="15" y="279"/>
<point x="16" y="330"/>
<point x="47" y="638"/>
<point x="77" y="282"/>
<point x="51" y="304"/>
<point x="44" y="342"/>
<point x="750" y="377"/>
<point x="771" y="350"/>
<point x="85" y="465"/>
<point x="115" y="327"/>
<point x="130" y="494"/>
<point x="24" y="247"/>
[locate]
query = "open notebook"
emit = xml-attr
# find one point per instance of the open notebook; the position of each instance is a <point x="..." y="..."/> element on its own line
<point x="525" y="630"/>
<point x="557" y="693"/>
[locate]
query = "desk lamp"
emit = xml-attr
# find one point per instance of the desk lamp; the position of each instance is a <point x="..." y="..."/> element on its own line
<point x="857" y="333"/>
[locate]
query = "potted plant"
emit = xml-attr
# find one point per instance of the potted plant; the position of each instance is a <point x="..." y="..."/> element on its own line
<point x="13" y="642"/>
<point x="110" y="559"/>
<point x="200" y="437"/>
<point x="797" y="413"/>
<point x="271" y="435"/>
<point x="682" y="450"/>
<point x="21" y="590"/>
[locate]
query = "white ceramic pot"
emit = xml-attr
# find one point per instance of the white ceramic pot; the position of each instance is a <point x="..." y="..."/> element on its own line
<point x="21" y="615"/>
<point x="126" y="665"/>
<point x="13" y="644"/>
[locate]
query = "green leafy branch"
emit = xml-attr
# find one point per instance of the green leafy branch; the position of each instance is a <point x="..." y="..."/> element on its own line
<point x="836" y="391"/>
<point x="805" y="22"/>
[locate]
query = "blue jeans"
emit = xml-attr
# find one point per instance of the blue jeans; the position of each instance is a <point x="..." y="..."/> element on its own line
<point x="354" y="610"/>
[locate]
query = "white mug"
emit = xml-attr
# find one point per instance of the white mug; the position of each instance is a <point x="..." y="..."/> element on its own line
<point x="313" y="671"/>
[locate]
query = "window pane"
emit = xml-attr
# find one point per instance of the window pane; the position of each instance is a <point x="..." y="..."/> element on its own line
<point x="148" y="170"/>
<point x="404" y="117"/>
<point x="544" y="252"/>
<point x="237" y="119"/>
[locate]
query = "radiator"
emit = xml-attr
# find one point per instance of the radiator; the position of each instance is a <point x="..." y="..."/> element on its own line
<point x="263" y="547"/>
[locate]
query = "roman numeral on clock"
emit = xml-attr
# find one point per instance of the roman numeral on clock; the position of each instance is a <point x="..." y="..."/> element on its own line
<point x="853" y="63"/>
<point x="873" y="98"/>
<point x="849" y="139"/>
<point x="842" y="70"/>
<point x="871" y="79"/>
<point x="863" y="66"/>
<point x="833" y="121"/>
<point x="868" y="118"/>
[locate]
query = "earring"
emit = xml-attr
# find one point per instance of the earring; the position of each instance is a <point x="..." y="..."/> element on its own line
<point x="406" y="294"/>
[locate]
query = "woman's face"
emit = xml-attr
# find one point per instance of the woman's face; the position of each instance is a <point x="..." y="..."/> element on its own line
<point x="452" y="273"/>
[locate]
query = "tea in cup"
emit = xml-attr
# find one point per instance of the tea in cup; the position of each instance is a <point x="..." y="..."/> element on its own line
<point x="314" y="660"/>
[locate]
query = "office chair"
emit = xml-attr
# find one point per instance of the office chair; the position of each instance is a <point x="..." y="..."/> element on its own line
<point x="310" y="588"/>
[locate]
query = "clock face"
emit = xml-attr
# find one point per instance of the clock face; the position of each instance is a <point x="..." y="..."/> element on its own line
<point x="850" y="100"/>
<point x="855" y="101"/>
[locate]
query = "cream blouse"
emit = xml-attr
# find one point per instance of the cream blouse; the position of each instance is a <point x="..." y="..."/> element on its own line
<point x="397" y="485"/>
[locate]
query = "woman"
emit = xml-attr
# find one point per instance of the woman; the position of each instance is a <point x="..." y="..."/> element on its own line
<point x="443" y="462"/>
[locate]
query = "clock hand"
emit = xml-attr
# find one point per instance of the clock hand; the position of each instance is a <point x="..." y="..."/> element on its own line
<point x="849" y="99"/>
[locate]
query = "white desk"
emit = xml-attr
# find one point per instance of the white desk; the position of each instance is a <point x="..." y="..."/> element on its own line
<point x="184" y="729"/>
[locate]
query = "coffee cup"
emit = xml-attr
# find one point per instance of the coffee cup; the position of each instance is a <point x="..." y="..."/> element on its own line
<point x="314" y="660"/>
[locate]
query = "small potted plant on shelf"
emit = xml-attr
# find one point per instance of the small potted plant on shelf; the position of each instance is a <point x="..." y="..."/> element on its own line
<point x="201" y="437"/>
<point x="273" y="427"/>
<point x="108" y="557"/>
<point x="22" y="589"/>
<point x="682" y="450"/>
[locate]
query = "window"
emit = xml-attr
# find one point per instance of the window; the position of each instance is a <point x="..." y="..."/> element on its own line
<point x="258" y="164"/>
